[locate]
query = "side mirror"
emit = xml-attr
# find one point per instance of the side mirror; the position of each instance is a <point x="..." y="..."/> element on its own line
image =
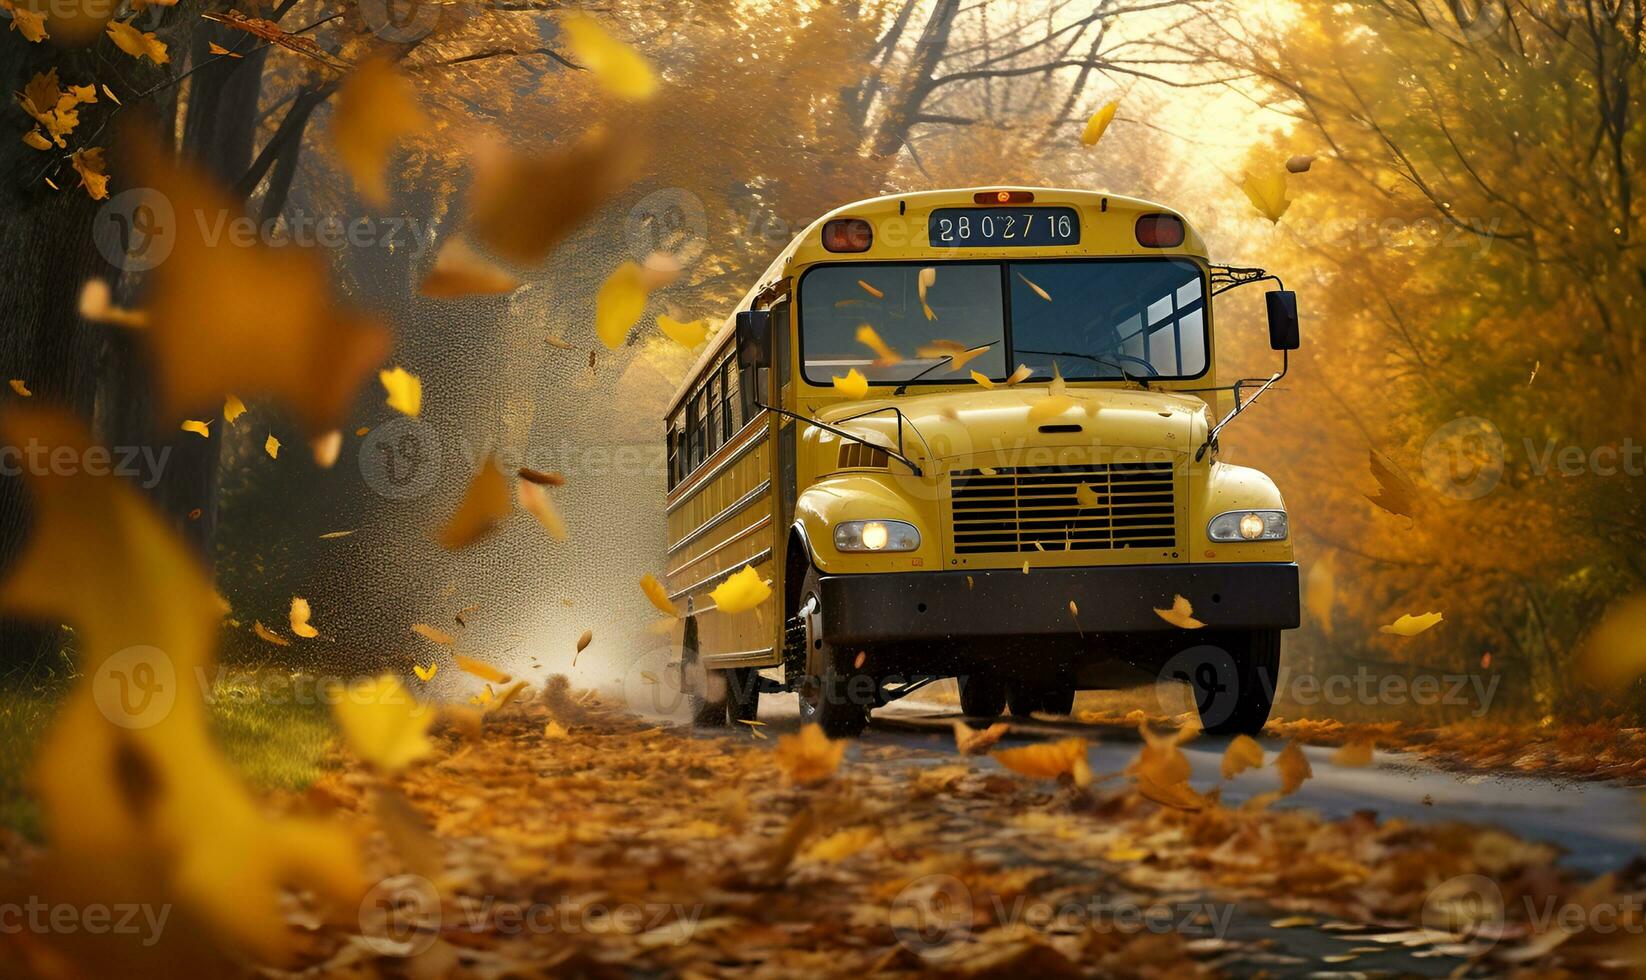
<point x="1283" y="334"/>
<point x="754" y="339"/>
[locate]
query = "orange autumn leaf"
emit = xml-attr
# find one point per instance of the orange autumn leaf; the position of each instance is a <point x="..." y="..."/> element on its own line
<point x="376" y="108"/>
<point x="88" y="163"/>
<point x="1242" y="754"/>
<point x="213" y="328"/>
<point x="97" y="305"/>
<point x="484" y="505"/>
<point x="535" y="500"/>
<point x="809" y="756"/>
<point x="432" y="634"/>
<point x="300" y="613"/>
<point x="520" y="207"/>
<point x="480" y="669"/>
<point x="1050" y="760"/>
<point x="1293" y="767"/>
<point x="459" y="270"/>
<point x="658" y="595"/>
<point x="973" y="741"/>
<point x="137" y="43"/>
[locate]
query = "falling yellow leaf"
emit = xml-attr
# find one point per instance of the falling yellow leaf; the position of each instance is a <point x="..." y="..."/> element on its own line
<point x="1085" y="496"/>
<point x="1020" y="375"/>
<point x="459" y="270"/>
<point x="1410" y="625"/>
<point x="433" y="635"/>
<point x="233" y="408"/>
<point x="535" y="500"/>
<point x="271" y="445"/>
<point x="405" y="390"/>
<point x="870" y="338"/>
<point x="520" y="206"/>
<point x="619" y="304"/>
<point x="1293" y="767"/>
<point x="1162" y="770"/>
<point x="384" y="724"/>
<point x="300" y="614"/>
<point x="584" y="641"/>
<point x="110" y="93"/>
<point x="741" y="592"/>
<point x="136" y="43"/>
<point x="658" y="595"/>
<point x="36" y="140"/>
<point x="982" y="380"/>
<point x="1242" y="754"/>
<point x="375" y="109"/>
<point x="484" y="505"/>
<point x="853" y="385"/>
<point x="1353" y="755"/>
<point x="972" y="741"/>
<point x="928" y="279"/>
<point x="1055" y="403"/>
<point x="97" y="305"/>
<point x="1181" y="614"/>
<point x="1050" y="760"/>
<point x="1300" y="164"/>
<point x="541" y="478"/>
<point x="20" y="387"/>
<point x="196" y="426"/>
<point x="877" y="294"/>
<point x="620" y="70"/>
<point x="687" y="335"/>
<point x="212" y="47"/>
<point x="1036" y="287"/>
<point x="1099" y="123"/>
<point x="1267" y="194"/>
<point x="153" y="810"/>
<point x="268" y="635"/>
<point x="480" y="669"/>
<point x="555" y="731"/>
<point x="1615" y="652"/>
<point x="425" y="673"/>
<point x="808" y="757"/>
<point x="89" y="165"/>
<point x="958" y="355"/>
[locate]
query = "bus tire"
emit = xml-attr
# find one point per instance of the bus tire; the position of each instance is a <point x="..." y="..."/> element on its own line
<point x="697" y="682"/>
<point x="828" y="694"/>
<point x="1242" y="707"/>
<point x="982" y="695"/>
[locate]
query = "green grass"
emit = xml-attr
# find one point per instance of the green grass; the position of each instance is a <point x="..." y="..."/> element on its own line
<point x="274" y="745"/>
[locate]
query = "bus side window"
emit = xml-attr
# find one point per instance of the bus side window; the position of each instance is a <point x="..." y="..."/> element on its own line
<point x="676" y="435"/>
<point x="713" y="424"/>
<point x="732" y="410"/>
<point x="694" y="431"/>
<point x="785" y="344"/>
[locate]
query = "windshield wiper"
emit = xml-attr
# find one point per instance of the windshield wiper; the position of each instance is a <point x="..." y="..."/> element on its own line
<point x="947" y="359"/>
<point x="1140" y="381"/>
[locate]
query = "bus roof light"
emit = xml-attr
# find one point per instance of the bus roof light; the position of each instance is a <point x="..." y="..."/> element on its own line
<point x="1160" y="231"/>
<point x="847" y="235"/>
<point x="1003" y="197"/>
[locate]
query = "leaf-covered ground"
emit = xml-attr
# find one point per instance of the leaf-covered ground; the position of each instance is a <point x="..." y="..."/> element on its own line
<point x="568" y="837"/>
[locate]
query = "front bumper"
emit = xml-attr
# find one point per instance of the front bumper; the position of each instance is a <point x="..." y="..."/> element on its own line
<point x="910" y="606"/>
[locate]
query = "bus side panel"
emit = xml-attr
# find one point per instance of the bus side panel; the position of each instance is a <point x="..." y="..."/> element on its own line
<point x="722" y="521"/>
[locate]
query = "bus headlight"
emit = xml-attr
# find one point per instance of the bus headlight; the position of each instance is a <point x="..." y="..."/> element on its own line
<point x="876" y="536"/>
<point x="1248" y="525"/>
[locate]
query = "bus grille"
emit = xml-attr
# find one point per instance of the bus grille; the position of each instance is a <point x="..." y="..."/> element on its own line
<point x="1042" y="508"/>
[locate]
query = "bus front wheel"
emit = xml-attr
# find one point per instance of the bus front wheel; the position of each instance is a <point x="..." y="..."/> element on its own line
<point x="832" y="691"/>
<point x="1233" y="681"/>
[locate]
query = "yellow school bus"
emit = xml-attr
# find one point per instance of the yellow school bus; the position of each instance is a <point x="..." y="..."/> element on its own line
<point x="974" y="434"/>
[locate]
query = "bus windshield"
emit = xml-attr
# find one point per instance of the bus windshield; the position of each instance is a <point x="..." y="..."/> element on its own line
<point x="1095" y="319"/>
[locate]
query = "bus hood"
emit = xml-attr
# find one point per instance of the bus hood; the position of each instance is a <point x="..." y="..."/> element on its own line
<point x="951" y="423"/>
